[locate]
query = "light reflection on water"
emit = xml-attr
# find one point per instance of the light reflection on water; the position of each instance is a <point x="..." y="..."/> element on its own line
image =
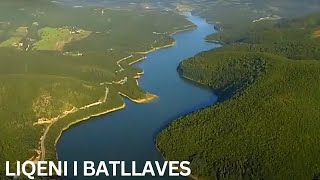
<point x="129" y="134"/>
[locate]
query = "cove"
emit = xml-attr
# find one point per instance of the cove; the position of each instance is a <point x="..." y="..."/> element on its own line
<point x="128" y="135"/>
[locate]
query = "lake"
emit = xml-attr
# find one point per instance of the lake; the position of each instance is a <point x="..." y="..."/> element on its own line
<point x="129" y="134"/>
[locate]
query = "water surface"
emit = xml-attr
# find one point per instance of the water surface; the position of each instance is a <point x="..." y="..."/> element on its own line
<point x="129" y="134"/>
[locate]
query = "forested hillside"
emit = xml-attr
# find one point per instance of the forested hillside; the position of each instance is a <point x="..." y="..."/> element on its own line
<point x="267" y="123"/>
<point x="60" y="65"/>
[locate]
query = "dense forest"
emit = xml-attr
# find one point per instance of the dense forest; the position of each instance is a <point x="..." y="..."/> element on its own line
<point x="60" y="64"/>
<point x="116" y="31"/>
<point x="266" y="124"/>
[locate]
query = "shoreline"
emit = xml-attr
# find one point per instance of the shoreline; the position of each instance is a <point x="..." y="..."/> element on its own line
<point x="85" y="119"/>
<point x="183" y="30"/>
<point x="168" y="45"/>
<point x="190" y="79"/>
<point x="191" y="176"/>
<point x="136" y="61"/>
<point x="157" y="48"/>
<point x="149" y="98"/>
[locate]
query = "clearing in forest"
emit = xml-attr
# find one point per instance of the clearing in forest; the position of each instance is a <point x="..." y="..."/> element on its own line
<point x="16" y="39"/>
<point x="54" y="39"/>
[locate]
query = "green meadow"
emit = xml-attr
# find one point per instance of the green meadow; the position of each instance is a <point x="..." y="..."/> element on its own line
<point x="54" y="39"/>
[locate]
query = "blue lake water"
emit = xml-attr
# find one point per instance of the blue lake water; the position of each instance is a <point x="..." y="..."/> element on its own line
<point x="129" y="134"/>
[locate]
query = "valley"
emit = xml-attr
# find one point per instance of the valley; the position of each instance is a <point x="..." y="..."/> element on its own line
<point x="231" y="86"/>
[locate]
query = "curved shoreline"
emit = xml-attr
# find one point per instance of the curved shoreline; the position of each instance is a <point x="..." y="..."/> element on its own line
<point x="157" y="123"/>
<point x="149" y="98"/>
<point x="139" y="101"/>
<point x="168" y="45"/>
<point x="84" y="119"/>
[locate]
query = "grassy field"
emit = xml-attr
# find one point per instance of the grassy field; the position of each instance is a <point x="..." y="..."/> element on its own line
<point x="54" y="39"/>
<point x="60" y="65"/>
<point x="16" y="38"/>
<point x="267" y="121"/>
<point x="123" y="31"/>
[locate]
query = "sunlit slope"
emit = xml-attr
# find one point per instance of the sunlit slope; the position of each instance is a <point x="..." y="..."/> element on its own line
<point x="39" y="88"/>
<point x="268" y="126"/>
<point x="126" y="30"/>
<point x="60" y="65"/>
<point x="30" y="102"/>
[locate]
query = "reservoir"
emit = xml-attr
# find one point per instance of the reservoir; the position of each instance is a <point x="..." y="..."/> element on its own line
<point x="128" y="134"/>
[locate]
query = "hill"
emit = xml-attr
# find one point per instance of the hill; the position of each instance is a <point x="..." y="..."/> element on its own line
<point x="265" y="125"/>
<point x="60" y="65"/>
